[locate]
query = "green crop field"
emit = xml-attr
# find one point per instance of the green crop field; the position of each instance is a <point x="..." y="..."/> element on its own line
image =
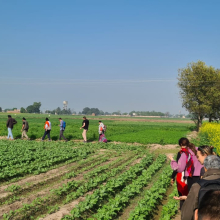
<point x="94" y="181"/>
<point x="67" y="180"/>
<point x="129" y="131"/>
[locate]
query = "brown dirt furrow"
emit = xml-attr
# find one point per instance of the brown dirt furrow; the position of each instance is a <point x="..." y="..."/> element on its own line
<point x="39" y="178"/>
<point x="158" y="146"/>
<point x="65" y="210"/>
<point x="178" y="216"/>
<point x="145" y="120"/>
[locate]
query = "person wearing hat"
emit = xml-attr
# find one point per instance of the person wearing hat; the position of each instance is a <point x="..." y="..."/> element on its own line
<point x="24" y="128"/>
<point x="47" y="128"/>
<point x="10" y="124"/>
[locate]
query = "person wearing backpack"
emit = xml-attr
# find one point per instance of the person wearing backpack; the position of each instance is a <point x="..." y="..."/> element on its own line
<point x="210" y="181"/>
<point x="24" y="128"/>
<point x="10" y="124"/>
<point x="62" y="129"/>
<point x="47" y="128"/>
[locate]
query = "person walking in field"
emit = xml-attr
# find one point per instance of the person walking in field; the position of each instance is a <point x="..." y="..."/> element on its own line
<point x="47" y="128"/>
<point x="62" y="129"/>
<point x="10" y="124"/>
<point x="85" y="126"/>
<point x="24" y="128"/>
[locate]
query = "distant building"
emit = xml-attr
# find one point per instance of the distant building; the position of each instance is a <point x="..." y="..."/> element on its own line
<point x="14" y="111"/>
<point x="93" y="114"/>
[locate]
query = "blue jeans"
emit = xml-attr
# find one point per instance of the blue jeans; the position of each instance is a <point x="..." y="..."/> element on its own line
<point x="10" y="133"/>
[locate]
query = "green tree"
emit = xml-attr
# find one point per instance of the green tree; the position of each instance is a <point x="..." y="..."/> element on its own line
<point x="58" y="110"/>
<point x="30" y="109"/>
<point x="86" y="110"/>
<point x="199" y="91"/>
<point x="22" y="110"/>
<point x="35" y="108"/>
<point x="0" y="109"/>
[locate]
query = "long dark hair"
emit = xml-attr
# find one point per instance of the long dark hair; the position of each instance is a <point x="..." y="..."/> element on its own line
<point x="185" y="142"/>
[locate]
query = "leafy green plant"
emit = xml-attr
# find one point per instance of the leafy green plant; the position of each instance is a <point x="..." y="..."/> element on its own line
<point x="13" y="188"/>
<point x="170" y="209"/>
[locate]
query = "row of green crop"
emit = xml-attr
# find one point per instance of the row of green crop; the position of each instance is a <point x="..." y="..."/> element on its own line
<point x="66" y="193"/>
<point x="147" y="205"/>
<point x="112" y="187"/>
<point x="80" y="167"/>
<point x="170" y="209"/>
<point x="39" y="160"/>
<point x="19" y="158"/>
<point x="111" y="209"/>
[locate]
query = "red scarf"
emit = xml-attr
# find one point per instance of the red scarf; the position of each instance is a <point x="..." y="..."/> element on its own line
<point x="189" y="161"/>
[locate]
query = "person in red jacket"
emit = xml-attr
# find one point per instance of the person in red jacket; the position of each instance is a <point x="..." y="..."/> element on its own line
<point x="47" y="128"/>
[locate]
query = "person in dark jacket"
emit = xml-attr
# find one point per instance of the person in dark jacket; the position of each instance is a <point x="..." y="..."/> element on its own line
<point x="10" y="124"/>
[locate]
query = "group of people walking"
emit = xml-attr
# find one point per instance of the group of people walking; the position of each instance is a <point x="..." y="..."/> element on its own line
<point x="47" y="127"/>
<point x="197" y="172"/>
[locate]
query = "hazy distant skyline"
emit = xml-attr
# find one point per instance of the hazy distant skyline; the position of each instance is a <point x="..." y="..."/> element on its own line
<point x="113" y="55"/>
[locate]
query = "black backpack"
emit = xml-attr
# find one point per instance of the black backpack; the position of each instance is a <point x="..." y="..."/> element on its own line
<point x="207" y="185"/>
<point x="26" y="125"/>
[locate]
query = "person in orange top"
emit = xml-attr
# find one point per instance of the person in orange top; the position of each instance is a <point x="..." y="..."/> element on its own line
<point x="47" y="128"/>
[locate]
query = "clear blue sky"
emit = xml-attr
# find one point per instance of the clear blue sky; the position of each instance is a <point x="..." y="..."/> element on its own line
<point x="114" y="55"/>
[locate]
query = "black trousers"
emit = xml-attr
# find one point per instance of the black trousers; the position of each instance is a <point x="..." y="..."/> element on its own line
<point x="181" y="201"/>
<point x="192" y="180"/>
<point x="46" y="133"/>
<point x="61" y="135"/>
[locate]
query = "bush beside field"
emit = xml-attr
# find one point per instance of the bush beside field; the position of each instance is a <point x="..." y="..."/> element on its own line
<point x="210" y="135"/>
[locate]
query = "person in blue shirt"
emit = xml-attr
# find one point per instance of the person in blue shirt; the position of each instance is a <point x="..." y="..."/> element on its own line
<point x="62" y="129"/>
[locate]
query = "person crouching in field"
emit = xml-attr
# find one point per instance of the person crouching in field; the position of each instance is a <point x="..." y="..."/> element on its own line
<point x="24" y="128"/>
<point x="62" y="129"/>
<point x="47" y="128"/>
<point x="10" y="124"/>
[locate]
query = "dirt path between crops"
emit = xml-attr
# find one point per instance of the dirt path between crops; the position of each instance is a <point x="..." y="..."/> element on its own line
<point x="145" y="120"/>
